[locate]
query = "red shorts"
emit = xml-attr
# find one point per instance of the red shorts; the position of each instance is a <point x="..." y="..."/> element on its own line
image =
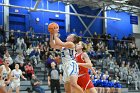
<point x="85" y="82"/>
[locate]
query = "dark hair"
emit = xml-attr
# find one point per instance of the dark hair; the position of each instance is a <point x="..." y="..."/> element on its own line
<point x="77" y="39"/>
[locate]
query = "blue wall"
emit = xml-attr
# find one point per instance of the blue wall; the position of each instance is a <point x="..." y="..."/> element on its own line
<point x="24" y="19"/>
<point x="78" y="26"/>
<point x="27" y="19"/>
<point x="1" y="13"/>
<point x="120" y="28"/>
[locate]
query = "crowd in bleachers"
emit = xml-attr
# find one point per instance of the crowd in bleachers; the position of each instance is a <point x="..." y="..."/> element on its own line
<point x="122" y="60"/>
<point x="117" y="58"/>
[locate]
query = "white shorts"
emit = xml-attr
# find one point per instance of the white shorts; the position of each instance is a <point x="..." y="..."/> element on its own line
<point x="70" y="68"/>
<point x="14" y="85"/>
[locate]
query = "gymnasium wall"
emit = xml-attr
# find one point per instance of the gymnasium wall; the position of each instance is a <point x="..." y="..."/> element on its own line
<point x="136" y="27"/>
<point x="136" y="31"/>
<point x="24" y="19"/>
<point x="120" y="28"/>
<point x="77" y="26"/>
<point x="1" y="13"/>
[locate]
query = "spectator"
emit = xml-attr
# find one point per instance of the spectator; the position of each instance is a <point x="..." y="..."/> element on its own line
<point x="12" y="39"/>
<point x="57" y="58"/>
<point x="116" y="68"/>
<point x="2" y="49"/>
<point x="29" y="70"/>
<point x="42" y="52"/>
<point x="54" y="78"/>
<point x="36" y="85"/>
<point x="95" y="40"/>
<point x="80" y="34"/>
<point x="35" y="55"/>
<point x="22" y="67"/>
<point x="49" y="60"/>
<point x="2" y="34"/>
<point x="123" y="72"/>
<point x="20" y="44"/>
<point x="19" y="58"/>
<point x="29" y="50"/>
<point x="136" y="80"/>
<point x="33" y="40"/>
<point x="119" y="60"/>
<point x="27" y="40"/>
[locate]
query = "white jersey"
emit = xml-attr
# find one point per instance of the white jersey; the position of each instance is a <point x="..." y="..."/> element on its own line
<point x="16" y="74"/>
<point x="70" y="67"/>
<point x="5" y="72"/>
<point x="67" y="55"/>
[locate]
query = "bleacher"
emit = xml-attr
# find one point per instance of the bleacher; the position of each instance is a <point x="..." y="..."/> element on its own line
<point x="41" y="75"/>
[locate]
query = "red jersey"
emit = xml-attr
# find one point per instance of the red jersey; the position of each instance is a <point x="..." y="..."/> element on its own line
<point x="82" y="70"/>
<point x="84" y="80"/>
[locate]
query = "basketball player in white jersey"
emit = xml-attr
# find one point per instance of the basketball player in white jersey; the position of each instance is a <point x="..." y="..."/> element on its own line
<point x="70" y="67"/>
<point x="15" y="77"/>
<point x="5" y="75"/>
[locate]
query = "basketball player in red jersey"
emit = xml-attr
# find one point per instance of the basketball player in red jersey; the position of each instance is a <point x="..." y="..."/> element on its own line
<point x="84" y="64"/>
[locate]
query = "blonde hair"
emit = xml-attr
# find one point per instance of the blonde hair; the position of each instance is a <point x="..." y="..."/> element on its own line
<point x="84" y="46"/>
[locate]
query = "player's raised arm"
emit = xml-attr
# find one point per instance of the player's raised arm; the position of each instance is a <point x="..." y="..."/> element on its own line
<point x="53" y="44"/>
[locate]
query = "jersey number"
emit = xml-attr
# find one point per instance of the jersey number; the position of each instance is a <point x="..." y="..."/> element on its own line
<point x="70" y="52"/>
<point x="62" y="54"/>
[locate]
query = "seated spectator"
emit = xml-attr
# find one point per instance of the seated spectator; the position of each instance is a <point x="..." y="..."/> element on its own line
<point x="22" y="67"/>
<point x="48" y="62"/>
<point x="27" y="39"/>
<point x="29" y="50"/>
<point x="92" y="53"/>
<point x="36" y="85"/>
<point x="33" y="40"/>
<point x="116" y="68"/>
<point x="19" y="58"/>
<point x="35" y="56"/>
<point x="42" y="50"/>
<point x="57" y="58"/>
<point x="106" y="52"/>
<point x="123" y="72"/>
<point x="130" y="77"/>
<point x="12" y="39"/>
<point x="20" y="44"/>
<point x="29" y="70"/>
<point x="2" y="49"/>
<point x="136" y="80"/>
<point x="99" y="54"/>
<point x="111" y="66"/>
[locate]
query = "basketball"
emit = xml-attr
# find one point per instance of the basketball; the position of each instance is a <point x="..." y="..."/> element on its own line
<point x="53" y="26"/>
<point x="2" y="90"/>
